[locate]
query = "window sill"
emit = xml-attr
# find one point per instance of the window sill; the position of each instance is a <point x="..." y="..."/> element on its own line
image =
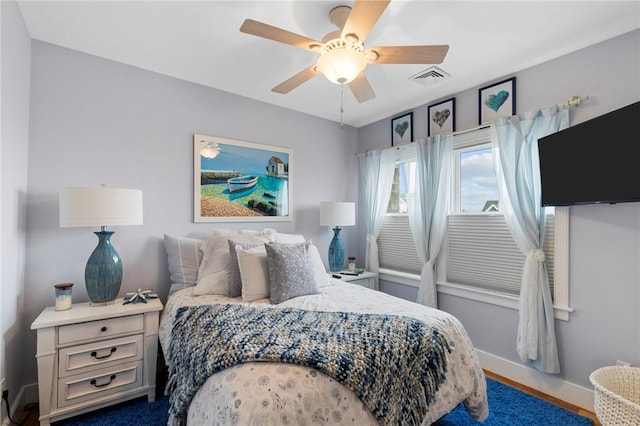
<point x="485" y="296"/>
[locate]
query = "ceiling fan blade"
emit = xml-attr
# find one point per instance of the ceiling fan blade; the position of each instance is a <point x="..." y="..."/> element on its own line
<point x="296" y="80"/>
<point x="361" y="88"/>
<point x="433" y="54"/>
<point x="364" y="15"/>
<point x="260" y="29"/>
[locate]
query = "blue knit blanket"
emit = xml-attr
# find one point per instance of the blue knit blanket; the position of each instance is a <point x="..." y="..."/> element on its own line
<point x="394" y="364"/>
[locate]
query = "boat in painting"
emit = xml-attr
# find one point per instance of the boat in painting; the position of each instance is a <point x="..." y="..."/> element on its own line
<point x="242" y="182"/>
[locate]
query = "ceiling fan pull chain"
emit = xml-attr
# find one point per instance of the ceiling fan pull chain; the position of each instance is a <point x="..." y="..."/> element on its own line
<point x="341" y="105"/>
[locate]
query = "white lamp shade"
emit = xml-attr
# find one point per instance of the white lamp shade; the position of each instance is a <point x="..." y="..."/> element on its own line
<point x="337" y="213"/>
<point x="100" y="206"/>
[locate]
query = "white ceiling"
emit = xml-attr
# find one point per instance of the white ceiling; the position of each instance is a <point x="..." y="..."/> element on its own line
<point x="200" y="41"/>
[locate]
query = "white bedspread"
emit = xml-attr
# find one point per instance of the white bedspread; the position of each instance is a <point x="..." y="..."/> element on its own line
<point x="280" y="394"/>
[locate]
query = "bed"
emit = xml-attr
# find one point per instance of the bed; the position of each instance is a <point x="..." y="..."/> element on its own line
<point x="244" y="389"/>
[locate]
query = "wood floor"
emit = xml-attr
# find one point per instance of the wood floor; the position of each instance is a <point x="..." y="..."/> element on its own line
<point x="31" y="417"/>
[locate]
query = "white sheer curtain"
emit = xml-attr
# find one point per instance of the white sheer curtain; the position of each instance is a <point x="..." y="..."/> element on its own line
<point x="430" y="207"/>
<point x="376" y="176"/>
<point x="519" y="182"/>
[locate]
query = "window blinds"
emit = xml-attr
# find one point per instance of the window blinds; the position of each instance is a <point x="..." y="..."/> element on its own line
<point x="483" y="254"/>
<point x="396" y="249"/>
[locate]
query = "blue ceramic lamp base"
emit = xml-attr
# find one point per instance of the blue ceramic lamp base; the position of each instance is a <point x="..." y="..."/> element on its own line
<point x="336" y="251"/>
<point x="103" y="274"/>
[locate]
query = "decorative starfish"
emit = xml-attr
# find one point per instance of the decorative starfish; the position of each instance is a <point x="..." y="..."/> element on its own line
<point x="139" y="296"/>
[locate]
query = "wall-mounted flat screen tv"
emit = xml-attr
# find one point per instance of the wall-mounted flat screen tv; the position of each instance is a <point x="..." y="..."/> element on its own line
<point x="597" y="161"/>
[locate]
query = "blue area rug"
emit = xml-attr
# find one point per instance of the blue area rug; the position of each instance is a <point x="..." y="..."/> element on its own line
<point x="510" y="407"/>
<point x="507" y="407"/>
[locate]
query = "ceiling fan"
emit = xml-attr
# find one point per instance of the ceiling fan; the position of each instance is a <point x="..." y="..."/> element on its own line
<point x="343" y="56"/>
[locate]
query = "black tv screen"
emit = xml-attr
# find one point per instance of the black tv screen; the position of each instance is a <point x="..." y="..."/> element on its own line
<point x="597" y="161"/>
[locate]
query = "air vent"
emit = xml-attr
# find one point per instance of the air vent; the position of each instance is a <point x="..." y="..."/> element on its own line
<point x="430" y="76"/>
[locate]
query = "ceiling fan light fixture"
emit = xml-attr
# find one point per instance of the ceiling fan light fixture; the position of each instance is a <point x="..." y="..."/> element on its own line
<point x="341" y="65"/>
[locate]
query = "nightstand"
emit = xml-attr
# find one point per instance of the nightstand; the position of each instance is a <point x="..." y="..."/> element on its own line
<point x="90" y="357"/>
<point x="365" y="279"/>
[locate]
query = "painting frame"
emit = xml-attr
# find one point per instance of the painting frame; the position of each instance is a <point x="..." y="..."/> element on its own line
<point x="490" y="104"/>
<point x="402" y="129"/>
<point x="224" y="188"/>
<point x="436" y="112"/>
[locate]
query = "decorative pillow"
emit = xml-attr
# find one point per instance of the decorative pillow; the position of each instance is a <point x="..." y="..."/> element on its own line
<point x="291" y="272"/>
<point x="214" y="274"/>
<point x="184" y="257"/>
<point x="322" y="278"/>
<point x="254" y="273"/>
<point x="235" y="281"/>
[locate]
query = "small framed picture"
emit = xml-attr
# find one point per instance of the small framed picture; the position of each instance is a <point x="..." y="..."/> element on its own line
<point x="441" y="118"/>
<point x="497" y="100"/>
<point x="402" y="129"/>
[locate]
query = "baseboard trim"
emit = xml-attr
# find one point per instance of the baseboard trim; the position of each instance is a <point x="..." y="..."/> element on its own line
<point x="545" y="383"/>
<point x="28" y="394"/>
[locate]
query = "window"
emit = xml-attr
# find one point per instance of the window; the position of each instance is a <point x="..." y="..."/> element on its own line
<point x="479" y="259"/>
<point x="480" y="250"/>
<point x="396" y="249"/>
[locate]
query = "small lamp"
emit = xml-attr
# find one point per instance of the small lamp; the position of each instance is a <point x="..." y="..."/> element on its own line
<point x="337" y="214"/>
<point x="101" y="206"/>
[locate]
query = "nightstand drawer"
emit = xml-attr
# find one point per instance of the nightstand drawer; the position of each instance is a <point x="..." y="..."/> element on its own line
<point x="80" y="359"/>
<point x="95" y="384"/>
<point x="99" y="329"/>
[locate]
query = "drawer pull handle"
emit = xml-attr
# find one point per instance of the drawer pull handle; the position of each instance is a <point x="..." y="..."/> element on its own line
<point x="95" y="354"/>
<point x="111" y="379"/>
<point x="103" y="329"/>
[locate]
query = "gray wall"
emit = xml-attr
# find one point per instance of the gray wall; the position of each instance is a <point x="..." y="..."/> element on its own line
<point x="96" y="121"/>
<point x="14" y="143"/>
<point x="604" y="258"/>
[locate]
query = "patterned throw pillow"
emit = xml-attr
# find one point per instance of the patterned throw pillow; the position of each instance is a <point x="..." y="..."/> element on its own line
<point x="291" y="272"/>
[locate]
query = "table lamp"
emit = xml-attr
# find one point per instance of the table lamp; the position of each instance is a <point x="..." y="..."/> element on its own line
<point x="101" y="206"/>
<point x="337" y="214"/>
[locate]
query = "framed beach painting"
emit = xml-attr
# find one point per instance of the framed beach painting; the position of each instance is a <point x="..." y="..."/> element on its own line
<point x="441" y="117"/>
<point x="497" y="100"/>
<point x="235" y="181"/>
<point x="402" y="129"/>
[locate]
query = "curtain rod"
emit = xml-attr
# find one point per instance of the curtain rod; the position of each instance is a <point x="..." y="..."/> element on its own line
<point x="573" y="101"/>
<point x="482" y="126"/>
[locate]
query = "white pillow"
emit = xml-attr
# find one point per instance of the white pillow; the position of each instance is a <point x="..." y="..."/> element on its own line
<point x="224" y="232"/>
<point x="289" y="238"/>
<point x="235" y="281"/>
<point x="320" y="273"/>
<point x="215" y="272"/>
<point x="254" y="273"/>
<point x="184" y="256"/>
